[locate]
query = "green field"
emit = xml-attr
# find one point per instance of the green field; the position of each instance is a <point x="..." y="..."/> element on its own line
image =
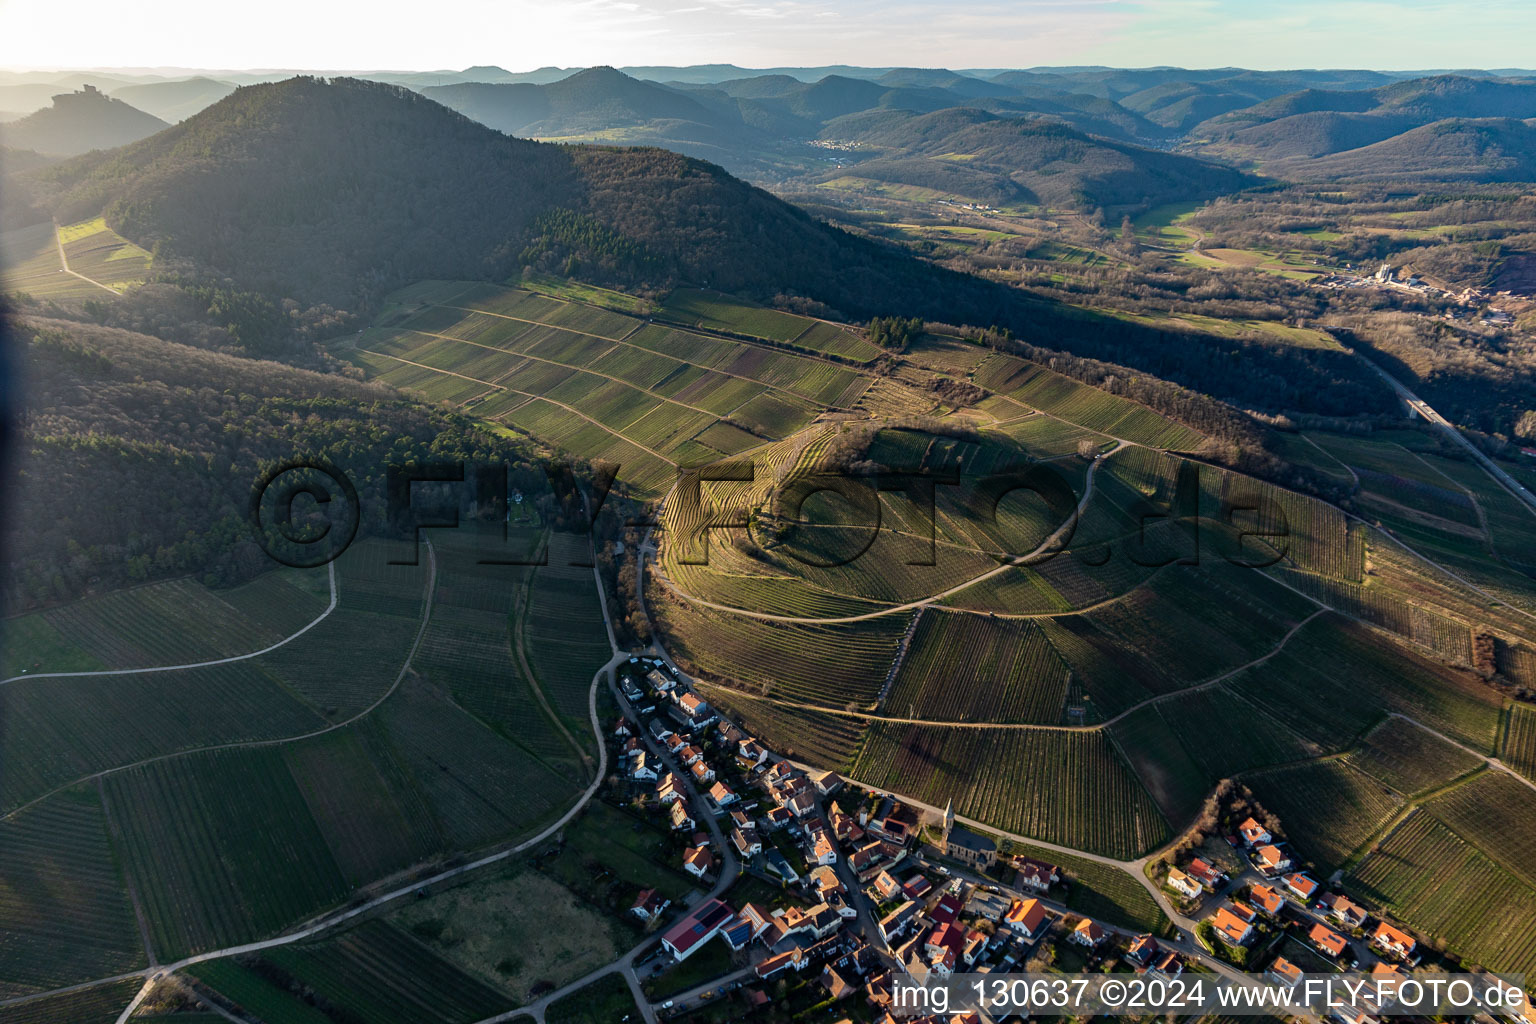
<point x="1426" y="875"/>
<point x="1103" y="893"/>
<point x="604" y="1001"/>
<point x="514" y="929"/>
<point x="1327" y="808"/>
<point x="1174" y="779"/>
<point x="973" y="668"/>
<point x="65" y="907"/>
<point x="1070" y="788"/>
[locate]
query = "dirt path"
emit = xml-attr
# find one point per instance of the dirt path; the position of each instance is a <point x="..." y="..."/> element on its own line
<point x="327" y="922"/>
<point x="64" y="263"/>
<point x="335" y="596"/>
<point x="1038" y="726"/>
<point x="1012" y="563"/>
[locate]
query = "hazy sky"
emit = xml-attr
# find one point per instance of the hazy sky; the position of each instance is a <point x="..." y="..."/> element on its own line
<point x="523" y="34"/>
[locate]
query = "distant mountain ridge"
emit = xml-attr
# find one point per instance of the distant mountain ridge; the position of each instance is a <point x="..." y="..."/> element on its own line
<point x="397" y="188"/>
<point x="1010" y="159"/>
<point x="1293" y="133"/>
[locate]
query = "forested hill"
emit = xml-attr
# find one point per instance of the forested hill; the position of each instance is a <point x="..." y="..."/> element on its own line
<point x="129" y="439"/>
<point x="78" y="122"/>
<point x="334" y="192"/>
<point x="1013" y="159"/>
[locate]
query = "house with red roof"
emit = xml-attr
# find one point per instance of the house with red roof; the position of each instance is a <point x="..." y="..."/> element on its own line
<point x="1231" y="927"/>
<point x="1088" y="933"/>
<point x="1209" y="877"/>
<point x="1254" y="834"/>
<point x="1271" y="860"/>
<point x="1327" y="941"/>
<point x="697" y="927"/>
<point x="698" y="861"/>
<point x="1268" y="899"/>
<point x="1027" y="919"/>
<point x="1390" y="939"/>
<point x="1301" y="886"/>
<point x="1283" y="972"/>
<point x="1142" y="949"/>
<point x="1343" y="910"/>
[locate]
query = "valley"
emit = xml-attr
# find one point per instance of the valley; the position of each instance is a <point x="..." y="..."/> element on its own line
<point x="794" y="528"/>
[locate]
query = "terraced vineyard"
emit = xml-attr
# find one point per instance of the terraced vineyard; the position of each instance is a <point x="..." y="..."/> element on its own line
<point x="832" y="740"/>
<point x="1425" y="874"/>
<point x="1327" y="808"/>
<point x="1064" y="787"/>
<point x="1317" y="682"/>
<point x="93" y="250"/>
<point x="1225" y="734"/>
<point x="602" y="385"/>
<point x="329" y="766"/>
<point x="1036" y="387"/>
<point x="1410" y="759"/>
<point x="380" y="973"/>
<point x="1519" y="751"/>
<point x="973" y="668"/>
<point x="221" y="848"/>
<point x="99" y="1004"/>
<point x="830" y="667"/>
<point x="68" y="917"/>
<point x="1496" y="812"/>
<point x="564" y="632"/>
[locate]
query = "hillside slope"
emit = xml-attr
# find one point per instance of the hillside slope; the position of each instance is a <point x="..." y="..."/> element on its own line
<point x="79" y="122"/>
<point x="397" y="188"/>
<point x="1321" y="122"/>
<point x="1024" y="159"/>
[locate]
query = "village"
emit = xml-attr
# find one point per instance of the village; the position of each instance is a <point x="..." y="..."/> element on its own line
<point x="840" y="888"/>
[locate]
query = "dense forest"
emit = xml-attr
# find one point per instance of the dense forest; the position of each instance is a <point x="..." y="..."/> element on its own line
<point x="138" y="455"/>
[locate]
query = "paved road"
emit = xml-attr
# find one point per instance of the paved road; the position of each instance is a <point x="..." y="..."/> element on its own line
<point x="194" y="664"/>
<point x="730" y="870"/>
<point x="1448" y="428"/>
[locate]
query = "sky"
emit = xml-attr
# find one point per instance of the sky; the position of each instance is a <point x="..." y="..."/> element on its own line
<point x="523" y="34"/>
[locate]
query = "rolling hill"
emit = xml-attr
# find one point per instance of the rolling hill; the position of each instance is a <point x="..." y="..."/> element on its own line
<point x="1285" y="130"/>
<point x="1005" y="159"/>
<point x="174" y="101"/>
<point x="593" y="100"/>
<point x="1455" y="149"/>
<point x="79" y="122"/>
<point x="398" y="188"/>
